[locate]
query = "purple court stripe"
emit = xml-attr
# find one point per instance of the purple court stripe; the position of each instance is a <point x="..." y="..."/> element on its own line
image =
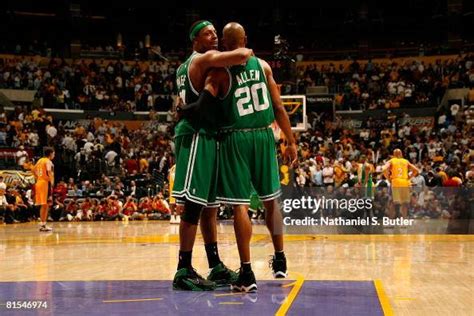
<point x="86" y="298"/>
<point x="333" y="298"/>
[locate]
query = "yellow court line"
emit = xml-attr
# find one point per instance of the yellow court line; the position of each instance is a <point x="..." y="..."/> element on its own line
<point x="379" y="237"/>
<point x="169" y="239"/>
<point x="231" y="303"/>
<point x="383" y="298"/>
<point x="292" y="296"/>
<point x="135" y="300"/>
<point x="289" y="284"/>
<point x="173" y="237"/>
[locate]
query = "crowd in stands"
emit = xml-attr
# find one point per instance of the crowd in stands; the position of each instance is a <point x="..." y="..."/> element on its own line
<point x="138" y="86"/>
<point x="93" y="85"/>
<point x="389" y="85"/>
<point x="102" y="161"/>
<point x="330" y="154"/>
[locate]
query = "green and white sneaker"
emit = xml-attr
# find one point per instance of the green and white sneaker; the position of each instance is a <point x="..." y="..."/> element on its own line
<point x="187" y="279"/>
<point x="222" y="275"/>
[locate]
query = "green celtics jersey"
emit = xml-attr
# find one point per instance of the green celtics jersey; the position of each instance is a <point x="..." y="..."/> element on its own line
<point x="188" y="94"/>
<point x="248" y="103"/>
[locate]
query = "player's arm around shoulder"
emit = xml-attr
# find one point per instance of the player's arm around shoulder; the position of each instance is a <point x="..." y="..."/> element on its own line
<point x="214" y="58"/>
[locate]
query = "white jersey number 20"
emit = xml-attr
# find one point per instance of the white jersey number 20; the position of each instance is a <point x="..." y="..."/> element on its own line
<point x="244" y="94"/>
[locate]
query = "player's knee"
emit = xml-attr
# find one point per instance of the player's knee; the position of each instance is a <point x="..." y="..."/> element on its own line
<point x="272" y="205"/>
<point x="209" y="213"/>
<point x="191" y="212"/>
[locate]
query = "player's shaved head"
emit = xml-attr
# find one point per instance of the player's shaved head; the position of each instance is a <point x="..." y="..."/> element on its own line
<point x="233" y="36"/>
<point x="397" y="153"/>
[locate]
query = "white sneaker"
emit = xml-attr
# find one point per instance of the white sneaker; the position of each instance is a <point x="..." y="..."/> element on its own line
<point x="175" y="219"/>
<point x="172" y="219"/>
<point x="44" y="228"/>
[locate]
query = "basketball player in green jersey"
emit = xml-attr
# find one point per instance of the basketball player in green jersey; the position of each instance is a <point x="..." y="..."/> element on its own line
<point x="247" y="154"/>
<point x="364" y="177"/>
<point x="196" y="162"/>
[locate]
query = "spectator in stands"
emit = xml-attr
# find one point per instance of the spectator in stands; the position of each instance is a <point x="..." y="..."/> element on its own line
<point x="130" y="209"/>
<point x="300" y="177"/>
<point x="22" y="211"/>
<point x="3" y="185"/>
<point x="131" y="165"/>
<point x="8" y="204"/>
<point x="101" y="211"/>
<point x="340" y="172"/>
<point x="133" y="189"/>
<point x="317" y="176"/>
<point x="114" y="209"/>
<point x="470" y="172"/>
<point x="85" y="211"/>
<point x="146" y="206"/>
<point x="61" y="190"/>
<point x="328" y="174"/>
<point x="3" y="136"/>
<point x="418" y="181"/>
<point x="3" y="117"/>
<point x="452" y="180"/>
<point x="433" y="179"/>
<point x="161" y="208"/>
<point x="70" y="210"/>
<point x="71" y="186"/>
<point x="143" y="163"/>
<point x="58" y="209"/>
<point x="117" y="191"/>
<point x="52" y="132"/>
<point x="111" y="158"/>
<point x="21" y="156"/>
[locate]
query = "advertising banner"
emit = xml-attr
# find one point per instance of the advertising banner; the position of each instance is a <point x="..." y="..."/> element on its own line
<point x="24" y="179"/>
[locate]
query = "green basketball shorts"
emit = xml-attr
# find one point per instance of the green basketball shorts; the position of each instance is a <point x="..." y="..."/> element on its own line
<point x="196" y="169"/>
<point x="247" y="164"/>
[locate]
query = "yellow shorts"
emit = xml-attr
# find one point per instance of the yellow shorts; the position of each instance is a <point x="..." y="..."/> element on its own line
<point x="42" y="192"/>
<point x="401" y="191"/>
<point x="172" y="200"/>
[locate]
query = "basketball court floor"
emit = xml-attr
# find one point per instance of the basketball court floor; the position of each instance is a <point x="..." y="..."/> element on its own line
<point x="126" y="268"/>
